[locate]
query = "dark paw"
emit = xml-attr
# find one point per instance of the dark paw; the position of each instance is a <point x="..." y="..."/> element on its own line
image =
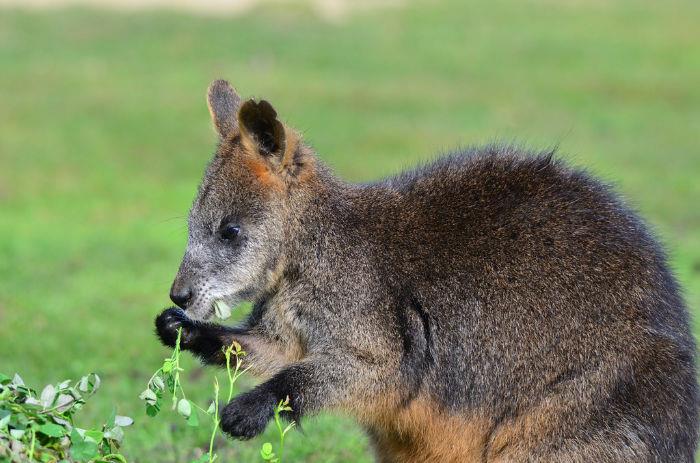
<point x="247" y="415"/>
<point x="167" y="324"/>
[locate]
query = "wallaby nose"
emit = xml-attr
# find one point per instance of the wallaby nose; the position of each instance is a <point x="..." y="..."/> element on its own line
<point x="181" y="296"/>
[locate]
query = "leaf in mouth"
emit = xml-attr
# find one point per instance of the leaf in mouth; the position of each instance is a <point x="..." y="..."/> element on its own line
<point x="222" y="310"/>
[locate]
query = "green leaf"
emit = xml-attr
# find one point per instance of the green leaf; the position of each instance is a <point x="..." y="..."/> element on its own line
<point x="83" y="450"/>
<point x="6" y="415"/>
<point x="222" y="310"/>
<point x="96" y="381"/>
<point x="65" y="402"/>
<point x="212" y="407"/>
<point x="149" y="396"/>
<point x="89" y="383"/>
<point x="78" y="434"/>
<point x="32" y="401"/>
<point x="19" y="421"/>
<point x="64" y="385"/>
<point x="167" y="366"/>
<point x="4" y="379"/>
<point x="116" y="434"/>
<point x="47" y="396"/>
<point x="193" y="419"/>
<point x="52" y="430"/>
<point x="61" y="421"/>
<point x="123" y="421"/>
<point x="83" y="384"/>
<point x="158" y="382"/>
<point x="266" y="452"/>
<point x="94" y="435"/>
<point x="152" y="410"/>
<point x="17" y="380"/>
<point x="184" y="408"/>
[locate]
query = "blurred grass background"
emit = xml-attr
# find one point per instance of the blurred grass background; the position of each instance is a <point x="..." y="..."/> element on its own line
<point x="104" y="134"/>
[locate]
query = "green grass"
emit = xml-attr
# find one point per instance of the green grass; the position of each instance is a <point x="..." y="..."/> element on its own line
<point x="104" y="134"/>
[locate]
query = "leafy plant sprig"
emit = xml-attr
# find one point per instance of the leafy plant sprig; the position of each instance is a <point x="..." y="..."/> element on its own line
<point x="167" y="377"/>
<point x="266" y="452"/>
<point x="40" y="427"/>
<point x="232" y="373"/>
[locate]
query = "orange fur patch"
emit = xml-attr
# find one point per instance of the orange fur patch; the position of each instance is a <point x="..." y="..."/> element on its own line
<point x="422" y="432"/>
<point x="277" y="173"/>
<point x="515" y="439"/>
<point x="260" y="168"/>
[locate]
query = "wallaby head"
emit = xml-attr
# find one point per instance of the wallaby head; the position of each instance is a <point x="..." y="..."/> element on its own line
<point x="238" y="220"/>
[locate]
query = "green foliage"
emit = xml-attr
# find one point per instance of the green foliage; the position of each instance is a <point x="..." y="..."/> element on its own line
<point x="169" y="375"/>
<point x="41" y="427"/>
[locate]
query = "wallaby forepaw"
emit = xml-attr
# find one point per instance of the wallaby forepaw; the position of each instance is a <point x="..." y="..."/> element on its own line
<point x="167" y="324"/>
<point x="247" y="415"/>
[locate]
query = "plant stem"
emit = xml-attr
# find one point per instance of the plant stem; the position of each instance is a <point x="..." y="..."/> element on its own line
<point x="228" y="372"/>
<point x="31" y="447"/>
<point x="176" y="358"/>
<point x="280" y="431"/>
<point x="176" y="369"/>
<point x="216" y="420"/>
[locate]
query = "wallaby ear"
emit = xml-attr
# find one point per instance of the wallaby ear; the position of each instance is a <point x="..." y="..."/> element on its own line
<point x="223" y="102"/>
<point x="259" y="126"/>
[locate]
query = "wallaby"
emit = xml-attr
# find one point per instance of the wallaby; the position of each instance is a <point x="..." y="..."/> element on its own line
<point x="494" y="305"/>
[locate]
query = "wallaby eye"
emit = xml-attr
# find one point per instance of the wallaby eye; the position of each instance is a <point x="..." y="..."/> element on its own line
<point x="229" y="232"/>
